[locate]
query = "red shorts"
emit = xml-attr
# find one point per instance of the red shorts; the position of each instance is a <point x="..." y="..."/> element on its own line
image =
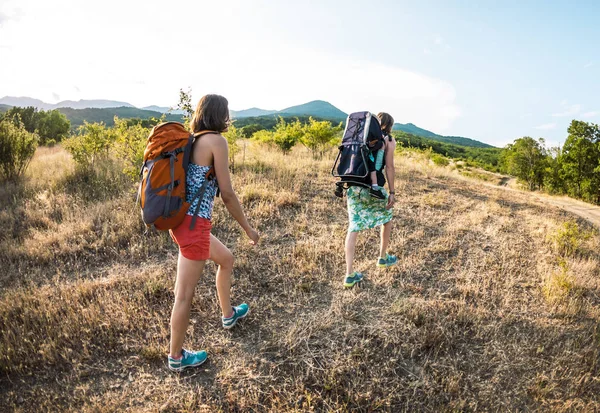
<point x="194" y="244"/>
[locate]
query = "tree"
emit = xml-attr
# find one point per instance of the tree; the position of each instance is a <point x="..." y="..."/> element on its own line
<point x="185" y="104"/>
<point x="553" y="176"/>
<point x="130" y="143"/>
<point x="250" y="130"/>
<point x="286" y="135"/>
<point x="233" y="135"/>
<point x="17" y="147"/>
<point x="525" y="158"/>
<point x="580" y="160"/>
<point x="53" y="127"/>
<point x="92" y="143"/>
<point x="319" y="136"/>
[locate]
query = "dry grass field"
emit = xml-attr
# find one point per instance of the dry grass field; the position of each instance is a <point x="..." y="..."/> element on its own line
<point x="494" y="306"/>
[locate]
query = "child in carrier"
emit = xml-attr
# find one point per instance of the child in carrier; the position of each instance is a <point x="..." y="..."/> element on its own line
<point x="376" y="156"/>
<point x="375" y="163"/>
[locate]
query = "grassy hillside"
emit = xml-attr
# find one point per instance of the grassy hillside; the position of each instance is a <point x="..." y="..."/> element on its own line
<point x="494" y="306"/>
<point x="487" y="158"/>
<point x="77" y="116"/>
<point x="4" y="108"/>
<point x="454" y="140"/>
<point x="317" y="108"/>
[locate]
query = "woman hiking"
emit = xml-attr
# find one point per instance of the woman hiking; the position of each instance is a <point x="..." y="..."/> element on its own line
<point x="210" y="152"/>
<point x="366" y="211"/>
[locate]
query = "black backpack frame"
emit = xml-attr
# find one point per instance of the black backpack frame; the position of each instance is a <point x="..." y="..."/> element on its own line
<point x="362" y="136"/>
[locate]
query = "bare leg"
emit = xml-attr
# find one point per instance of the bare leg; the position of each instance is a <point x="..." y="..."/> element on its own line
<point x="386" y="230"/>
<point x="350" y="248"/>
<point x="188" y="273"/>
<point x="221" y="255"/>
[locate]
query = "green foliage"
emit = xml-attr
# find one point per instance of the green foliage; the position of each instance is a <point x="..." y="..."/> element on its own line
<point x="553" y="176"/>
<point x="284" y="137"/>
<point x="48" y="125"/>
<point x="320" y="136"/>
<point x="149" y="118"/>
<point x="92" y="143"/>
<point x="568" y="238"/>
<point x="486" y="158"/>
<point x="249" y="130"/>
<point x="526" y="159"/>
<point x="129" y="145"/>
<point x="17" y="147"/>
<point x="580" y="161"/>
<point x="440" y="160"/>
<point x="185" y="104"/>
<point x="233" y="135"/>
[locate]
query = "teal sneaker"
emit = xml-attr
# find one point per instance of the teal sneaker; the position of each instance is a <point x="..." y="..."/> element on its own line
<point x="188" y="359"/>
<point x="352" y="279"/>
<point x="240" y="311"/>
<point x="388" y="261"/>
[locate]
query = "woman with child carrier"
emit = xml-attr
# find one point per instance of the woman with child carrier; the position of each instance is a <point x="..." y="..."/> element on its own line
<point x="209" y="153"/>
<point x="369" y="208"/>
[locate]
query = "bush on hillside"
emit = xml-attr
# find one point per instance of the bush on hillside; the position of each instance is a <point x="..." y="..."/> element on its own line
<point x="130" y="142"/>
<point x="17" y="147"/>
<point x="92" y="143"/>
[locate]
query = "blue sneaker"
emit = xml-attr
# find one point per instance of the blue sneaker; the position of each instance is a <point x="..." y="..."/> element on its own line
<point x="388" y="261"/>
<point x="352" y="279"/>
<point x="188" y="359"/>
<point x="240" y="311"/>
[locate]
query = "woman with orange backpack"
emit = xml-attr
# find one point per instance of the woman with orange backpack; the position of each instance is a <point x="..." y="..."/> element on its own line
<point x="196" y="243"/>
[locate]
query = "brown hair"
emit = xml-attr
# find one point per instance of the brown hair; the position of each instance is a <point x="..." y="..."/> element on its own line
<point x="212" y="113"/>
<point x="387" y="122"/>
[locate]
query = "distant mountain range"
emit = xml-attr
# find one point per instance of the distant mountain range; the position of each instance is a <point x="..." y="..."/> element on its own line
<point x="105" y="110"/>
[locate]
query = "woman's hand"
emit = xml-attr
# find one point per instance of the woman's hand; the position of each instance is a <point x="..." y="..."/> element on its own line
<point x="391" y="201"/>
<point x="253" y="235"/>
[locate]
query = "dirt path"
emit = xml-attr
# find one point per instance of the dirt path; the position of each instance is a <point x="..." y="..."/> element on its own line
<point x="587" y="211"/>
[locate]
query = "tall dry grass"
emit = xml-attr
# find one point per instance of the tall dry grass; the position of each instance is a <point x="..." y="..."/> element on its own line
<point x="493" y="306"/>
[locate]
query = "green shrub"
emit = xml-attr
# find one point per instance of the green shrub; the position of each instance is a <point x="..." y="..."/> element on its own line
<point x="440" y="160"/>
<point x="130" y="142"/>
<point x="567" y="239"/>
<point x="92" y="143"/>
<point x="233" y="135"/>
<point x="17" y="147"/>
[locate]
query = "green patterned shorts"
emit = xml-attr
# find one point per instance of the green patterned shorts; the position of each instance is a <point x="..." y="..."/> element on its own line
<point x="365" y="211"/>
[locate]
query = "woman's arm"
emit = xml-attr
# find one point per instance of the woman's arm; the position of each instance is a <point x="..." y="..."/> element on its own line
<point x="390" y="170"/>
<point x="230" y="199"/>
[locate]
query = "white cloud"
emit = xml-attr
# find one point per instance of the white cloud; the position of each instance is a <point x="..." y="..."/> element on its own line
<point x="589" y="64"/>
<point x="590" y="114"/>
<point x="546" y="126"/>
<point x="427" y="51"/>
<point x="568" y="110"/>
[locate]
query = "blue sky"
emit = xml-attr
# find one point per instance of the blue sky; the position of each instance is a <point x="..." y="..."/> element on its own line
<point x="488" y="71"/>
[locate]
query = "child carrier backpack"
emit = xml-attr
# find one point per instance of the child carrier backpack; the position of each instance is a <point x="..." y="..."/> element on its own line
<point x="161" y="193"/>
<point x="362" y="136"/>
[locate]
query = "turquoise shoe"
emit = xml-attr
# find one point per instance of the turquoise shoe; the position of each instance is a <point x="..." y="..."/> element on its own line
<point x="240" y="311"/>
<point x="388" y="261"/>
<point x="188" y="359"/>
<point x="352" y="279"/>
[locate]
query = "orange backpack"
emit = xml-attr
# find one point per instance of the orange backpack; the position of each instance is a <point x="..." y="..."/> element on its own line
<point x="161" y="193"/>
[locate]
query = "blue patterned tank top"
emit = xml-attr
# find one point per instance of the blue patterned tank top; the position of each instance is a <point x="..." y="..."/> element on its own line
<point x="194" y="179"/>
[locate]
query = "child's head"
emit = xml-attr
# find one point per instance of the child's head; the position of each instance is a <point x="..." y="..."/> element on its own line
<point x="387" y="122"/>
<point x="212" y="113"/>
